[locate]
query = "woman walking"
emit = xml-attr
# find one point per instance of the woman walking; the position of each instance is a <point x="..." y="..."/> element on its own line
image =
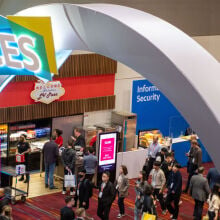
<point x="214" y="203"/>
<point x="122" y="188"/>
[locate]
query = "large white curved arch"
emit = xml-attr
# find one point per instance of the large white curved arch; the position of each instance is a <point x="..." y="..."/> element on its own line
<point x="185" y="72"/>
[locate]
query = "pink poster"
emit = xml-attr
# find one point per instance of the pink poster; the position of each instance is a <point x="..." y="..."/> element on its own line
<point x="107" y="149"/>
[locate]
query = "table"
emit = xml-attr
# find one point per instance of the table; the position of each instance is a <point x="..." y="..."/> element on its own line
<point x="181" y="147"/>
<point x="11" y="172"/>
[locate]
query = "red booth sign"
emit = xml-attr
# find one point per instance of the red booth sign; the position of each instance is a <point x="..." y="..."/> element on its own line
<point x="47" y="92"/>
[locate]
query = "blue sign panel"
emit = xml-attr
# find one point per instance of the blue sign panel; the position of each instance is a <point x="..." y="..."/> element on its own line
<point x="154" y="110"/>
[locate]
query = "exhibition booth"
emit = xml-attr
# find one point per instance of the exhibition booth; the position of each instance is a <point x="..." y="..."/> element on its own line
<point x="86" y="83"/>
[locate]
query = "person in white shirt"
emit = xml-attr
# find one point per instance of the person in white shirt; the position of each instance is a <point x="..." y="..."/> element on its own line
<point x="214" y="202"/>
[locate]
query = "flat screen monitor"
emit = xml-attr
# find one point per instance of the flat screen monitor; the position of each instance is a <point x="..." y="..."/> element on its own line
<point x="107" y="150"/>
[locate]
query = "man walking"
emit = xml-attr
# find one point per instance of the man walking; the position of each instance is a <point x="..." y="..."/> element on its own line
<point x="158" y="181"/>
<point x="174" y="185"/>
<point x="199" y="190"/>
<point x="90" y="163"/>
<point x="106" y="197"/>
<point x="51" y="153"/>
<point x="153" y="149"/>
<point x="196" y="162"/>
<point x="83" y="188"/>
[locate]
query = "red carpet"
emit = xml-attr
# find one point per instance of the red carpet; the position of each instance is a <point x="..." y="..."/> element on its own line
<point x="48" y="207"/>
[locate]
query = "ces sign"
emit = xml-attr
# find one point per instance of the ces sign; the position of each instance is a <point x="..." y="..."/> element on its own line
<point x="26" y="45"/>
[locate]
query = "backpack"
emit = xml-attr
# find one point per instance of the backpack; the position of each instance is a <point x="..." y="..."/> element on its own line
<point x="89" y="184"/>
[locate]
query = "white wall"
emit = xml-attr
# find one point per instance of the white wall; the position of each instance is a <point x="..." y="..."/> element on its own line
<point x="97" y="117"/>
<point x="123" y="87"/>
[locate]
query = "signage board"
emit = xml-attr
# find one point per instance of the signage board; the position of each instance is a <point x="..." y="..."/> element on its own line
<point x="26" y="47"/>
<point x="47" y="92"/>
<point x="155" y="111"/>
<point x="107" y="151"/>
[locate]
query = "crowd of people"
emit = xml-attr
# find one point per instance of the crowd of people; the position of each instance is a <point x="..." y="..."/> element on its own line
<point x="158" y="183"/>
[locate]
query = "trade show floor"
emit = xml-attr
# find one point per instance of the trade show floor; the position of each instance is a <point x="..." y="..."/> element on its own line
<point x="47" y="207"/>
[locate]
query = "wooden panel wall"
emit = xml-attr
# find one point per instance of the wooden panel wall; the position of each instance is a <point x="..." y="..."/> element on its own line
<point x="81" y="65"/>
<point x="55" y="109"/>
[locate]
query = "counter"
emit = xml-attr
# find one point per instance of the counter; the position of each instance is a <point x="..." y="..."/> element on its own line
<point x="181" y="147"/>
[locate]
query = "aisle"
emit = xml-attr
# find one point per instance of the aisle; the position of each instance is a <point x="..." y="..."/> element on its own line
<point x="47" y="207"/>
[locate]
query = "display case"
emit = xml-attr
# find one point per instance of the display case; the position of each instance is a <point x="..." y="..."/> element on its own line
<point x="4" y="140"/>
<point x="37" y="132"/>
<point x="145" y="138"/>
<point x="125" y="122"/>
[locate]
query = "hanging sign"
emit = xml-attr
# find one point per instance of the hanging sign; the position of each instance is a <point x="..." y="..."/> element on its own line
<point x="26" y="47"/>
<point x="47" y="92"/>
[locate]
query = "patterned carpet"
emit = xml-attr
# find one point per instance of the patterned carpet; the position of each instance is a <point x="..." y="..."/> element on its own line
<point x="48" y="207"/>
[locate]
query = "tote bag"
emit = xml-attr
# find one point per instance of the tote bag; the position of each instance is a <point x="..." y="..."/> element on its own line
<point x="147" y="216"/>
<point x="69" y="180"/>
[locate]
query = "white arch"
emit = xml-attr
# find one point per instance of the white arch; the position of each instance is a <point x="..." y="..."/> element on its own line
<point x="186" y="73"/>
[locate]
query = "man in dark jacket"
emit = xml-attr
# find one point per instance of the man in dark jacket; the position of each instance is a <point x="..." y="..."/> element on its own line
<point x="160" y="156"/>
<point x="67" y="213"/>
<point x="199" y="190"/>
<point x="174" y="185"/>
<point x="213" y="177"/>
<point x="68" y="159"/>
<point x="165" y="166"/>
<point x="51" y="153"/>
<point x="79" y="140"/>
<point x="196" y="162"/>
<point x="83" y="187"/>
<point x="106" y="197"/>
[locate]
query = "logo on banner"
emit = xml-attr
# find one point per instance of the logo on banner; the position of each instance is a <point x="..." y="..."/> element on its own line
<point x="26" y="47"/>
<point x="47" y="92"/>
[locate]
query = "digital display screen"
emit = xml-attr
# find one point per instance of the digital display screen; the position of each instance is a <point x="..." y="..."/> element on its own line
<point x="107" y="148"/>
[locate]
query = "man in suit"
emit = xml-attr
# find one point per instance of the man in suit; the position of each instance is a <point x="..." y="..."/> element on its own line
<point x="106" y="197"/>
<point x="79" y="140"/>
<point x="51" y="153"/>
<point x="199" y="190"/>
<point x="196" y="162"/>
<point x="82" y="193"/>
<point x="213" y="177"/>
<point x="174" y="185"/>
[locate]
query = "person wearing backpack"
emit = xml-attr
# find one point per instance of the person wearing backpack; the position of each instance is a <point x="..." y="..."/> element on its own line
<point x="149" y="203"/>
<point x="122" y="185"/>
<point x="83" y="191"/>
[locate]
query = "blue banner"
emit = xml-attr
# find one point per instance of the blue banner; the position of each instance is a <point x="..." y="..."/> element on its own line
<point x="154" y="110"/>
